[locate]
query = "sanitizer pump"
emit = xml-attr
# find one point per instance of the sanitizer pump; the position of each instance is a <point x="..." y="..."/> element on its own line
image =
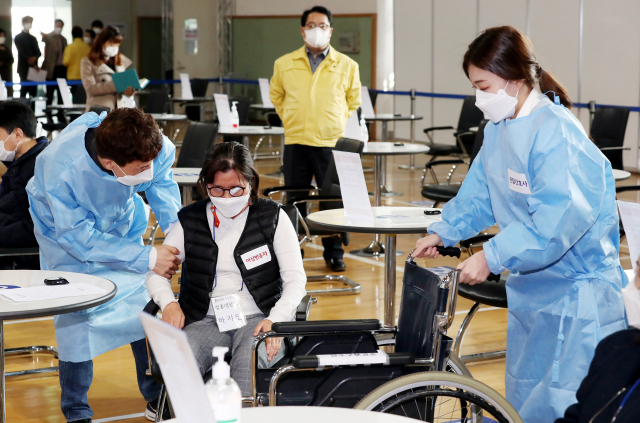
<point x="364" y="133"/>
<point x="223" y="392"/>
<point x="235" y="119"/>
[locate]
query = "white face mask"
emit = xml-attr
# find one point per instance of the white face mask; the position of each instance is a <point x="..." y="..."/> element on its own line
<point x="57" y="30"/>
<point x="497" y="106"/>
<point x="110" y="51"/>
<point x="2" y="40"/>
<point x="631" y="297"/>
<point x="97" y="30"/>
<point x="229" y="207"/>
<point x="7" y="156"/>
<point x="87" y="40"/>
<point x="317" y="37"/>
<point x="132" y="180"/>
<point x="27" y="26"/>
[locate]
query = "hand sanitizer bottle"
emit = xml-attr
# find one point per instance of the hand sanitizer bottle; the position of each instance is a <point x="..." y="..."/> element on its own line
<point x="364" y="133"/>
<point x="235" y="119"/>
<point x="223" y="392"/>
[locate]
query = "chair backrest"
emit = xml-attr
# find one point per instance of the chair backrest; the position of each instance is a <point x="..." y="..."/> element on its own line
<point x="244" y="105"/>
<point x="477" y="144"/>
<point x="607" y="130"/>
<point x="99" y="109"/>
<point x="374" y="96"/>
<point x="79" y="95"/>
<point x="470" y="115"/>
<point x="199" y="87"/>
<point x="273" y="120"/>
<point x="292" y="212"/>
<point x="157" y="102"/>
<point x="198" y="140"/>
<point x="331" y="183"/>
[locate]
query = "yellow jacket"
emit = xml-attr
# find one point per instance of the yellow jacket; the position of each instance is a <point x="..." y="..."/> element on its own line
<point x="314" y="107"/>
<point x="73" y="54"/>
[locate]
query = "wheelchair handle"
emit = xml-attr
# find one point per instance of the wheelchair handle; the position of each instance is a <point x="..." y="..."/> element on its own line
<point x="449" y="251"/>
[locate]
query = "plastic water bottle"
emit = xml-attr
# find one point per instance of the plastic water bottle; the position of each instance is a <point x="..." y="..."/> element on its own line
<point x="235" y="119"/>
<point x="364" y="133"/>
<point x="223" y="392"/>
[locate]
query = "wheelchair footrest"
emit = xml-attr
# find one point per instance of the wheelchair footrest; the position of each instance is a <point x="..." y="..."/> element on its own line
<point x="358" y="359"/>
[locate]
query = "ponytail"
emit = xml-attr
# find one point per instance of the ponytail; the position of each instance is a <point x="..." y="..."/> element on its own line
<point x="550" y="86"/>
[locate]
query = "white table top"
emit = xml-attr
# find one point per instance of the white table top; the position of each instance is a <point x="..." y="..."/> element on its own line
<point x="168" y="116"/>
<point x="194" y="99"/>
<point x="28" y="278"/>
<point x="389" y="149"/>
<point x="621" y="175"/>
<point x="387" y="220"/>
<point x="63" y="107"/>
<point x="391" y="117"/>
<point x="262" y="107"/>
<point x="314" y="415"/>
<point x="251" y="130"/>
<point x="186" y="175"/>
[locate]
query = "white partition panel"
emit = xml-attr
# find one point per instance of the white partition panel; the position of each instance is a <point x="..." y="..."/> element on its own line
<point x="502" y="12"/>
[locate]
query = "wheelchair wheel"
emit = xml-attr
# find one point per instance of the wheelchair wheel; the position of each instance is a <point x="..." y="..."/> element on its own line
<point x="440" y="397"/>
<point x="457" y="366"/>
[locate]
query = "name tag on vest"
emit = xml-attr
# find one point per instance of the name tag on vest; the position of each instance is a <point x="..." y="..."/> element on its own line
<point x="518" y="182"/>
<point x="256" y="257"/>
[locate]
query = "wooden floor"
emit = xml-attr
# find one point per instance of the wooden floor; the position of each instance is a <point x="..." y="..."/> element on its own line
<point x="114" y="392"/>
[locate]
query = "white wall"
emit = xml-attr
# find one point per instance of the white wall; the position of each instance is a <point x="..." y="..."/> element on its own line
<point x="295" y="7"/>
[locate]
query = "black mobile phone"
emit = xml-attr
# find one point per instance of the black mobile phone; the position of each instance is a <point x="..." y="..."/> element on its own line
<point x="432" y="212"/>
<point x="398" y="144"/>
<point x="56" y="281"/>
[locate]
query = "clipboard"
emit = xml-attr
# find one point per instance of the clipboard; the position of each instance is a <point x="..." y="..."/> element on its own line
<point x="128" y="78"/>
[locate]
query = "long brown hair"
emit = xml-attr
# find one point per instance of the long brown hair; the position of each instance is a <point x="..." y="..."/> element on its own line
<point x="505" y="52"/>
<point x="96" y="55"/>
<point x="228" y="156"/>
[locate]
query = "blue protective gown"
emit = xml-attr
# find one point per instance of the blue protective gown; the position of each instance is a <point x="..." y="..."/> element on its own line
<point x="87" y="222"/>
<point x="560" y="243"/>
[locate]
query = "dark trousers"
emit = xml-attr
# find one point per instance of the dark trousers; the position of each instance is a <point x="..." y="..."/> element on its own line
<point x="58" y="72"/>
<point x="32" y="90"/>
<point x="302" y="163"/>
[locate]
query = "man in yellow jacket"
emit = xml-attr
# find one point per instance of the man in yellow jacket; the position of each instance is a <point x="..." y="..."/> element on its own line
<point x="314" y="90"/>
<point x="73" y="54"/>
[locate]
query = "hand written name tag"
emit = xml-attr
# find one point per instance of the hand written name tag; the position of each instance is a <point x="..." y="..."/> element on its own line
<point x="518" y="182"/>
<point x="256" y="257"/>
<point x="229" y="314"/>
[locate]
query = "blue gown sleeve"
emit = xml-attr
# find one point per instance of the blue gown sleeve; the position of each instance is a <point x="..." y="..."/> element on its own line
<point x="469" y="212"/>
<point x="567" y="192"/>
<point x="162" y="192"/>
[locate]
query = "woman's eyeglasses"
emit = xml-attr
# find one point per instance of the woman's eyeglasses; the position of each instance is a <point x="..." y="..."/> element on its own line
<point x="219" y="192"/>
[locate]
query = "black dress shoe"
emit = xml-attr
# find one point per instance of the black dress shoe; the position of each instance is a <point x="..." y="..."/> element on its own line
<point x="336" y="264"/>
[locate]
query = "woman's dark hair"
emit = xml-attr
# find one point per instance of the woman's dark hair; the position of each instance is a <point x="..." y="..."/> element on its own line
<point x="97" y="24"/>
<point x="316" y="9"/>
<point x="505" y="52"/>
<point x="77" y="32"/>
<point x="96" y="55"/>
<point x="127" y="135"/>
<point x="14" y="114"/>
<point x="228" y="156"/>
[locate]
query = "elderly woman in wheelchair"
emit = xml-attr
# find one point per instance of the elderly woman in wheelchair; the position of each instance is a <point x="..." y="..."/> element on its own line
<point x="242" y="269"/>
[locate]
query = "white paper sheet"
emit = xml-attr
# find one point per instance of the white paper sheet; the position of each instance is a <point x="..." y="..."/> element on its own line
<point x="367" y="106"/>
<point x="264" y="92"/>
<point x="179" y="370"/>
<point x="64" y="91"/>
<point x="353" y="188"/>
<point x="353" y="129"/>
<point x="36" y="75"/>
<point x="186" y="86"/>
<point x="3" y="90"/>
<point x="630" y="215"/>
<point x="46" y="292"/>
<point x="223" y="110"/>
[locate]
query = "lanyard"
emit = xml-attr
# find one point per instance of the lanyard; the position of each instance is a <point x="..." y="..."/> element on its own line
<point x="626" y="397"/>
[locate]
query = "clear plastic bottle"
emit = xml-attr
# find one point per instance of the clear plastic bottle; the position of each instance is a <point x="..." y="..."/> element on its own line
<point x="235" y="119"/>
<point x="223" y="392"/>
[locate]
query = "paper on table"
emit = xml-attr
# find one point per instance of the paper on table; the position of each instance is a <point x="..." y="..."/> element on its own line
<point x="179" y="370"/>
<point x="3" y="90"/>
<point x="353" y="188"/>
<point x="367" y="106"/>
<point x="64" y="91"/>
<point x="40" y="293"/>
<point x="223" y="110"/>
<point x="186" y="86"/>
<point x="264" y="92"/>
<point x="353" y="129"/>
<point x="630" y="215"/>
<point x="36" y="75"/>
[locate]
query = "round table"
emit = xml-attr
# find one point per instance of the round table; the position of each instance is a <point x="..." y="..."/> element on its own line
<point x="621" y="175"/>
<point x="78" y="107"/>
<point x="186" y="177"/>
<point x="168" y="117"/>
<point x="10" y="310"/>
<point x="381" y="150"/>
<point x="390" y="221"/>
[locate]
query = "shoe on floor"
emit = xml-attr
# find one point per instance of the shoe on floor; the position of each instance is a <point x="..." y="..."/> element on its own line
<point x="336" y="264"/>
<point x="150" y="412"/>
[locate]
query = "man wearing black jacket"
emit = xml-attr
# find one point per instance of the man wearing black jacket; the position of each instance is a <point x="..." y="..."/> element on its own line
<point x="18" y="150"/>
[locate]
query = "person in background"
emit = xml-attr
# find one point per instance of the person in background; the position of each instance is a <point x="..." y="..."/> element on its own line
<point x="97" y="27"/>
<point x="314" y="90"/>
<point x="6" y="60"/>
<point x="89" y="36"/>
<point x="73" y="55"/>
<point x="95" y="70"/>
<point x="19" y="148"/>
<point x="28" y="54"/>
<point x="54" y="46"/>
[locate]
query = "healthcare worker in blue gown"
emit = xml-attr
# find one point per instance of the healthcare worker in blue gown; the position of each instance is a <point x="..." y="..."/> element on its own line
<point x="551" y="192"/>
<point x="89" y="218"/>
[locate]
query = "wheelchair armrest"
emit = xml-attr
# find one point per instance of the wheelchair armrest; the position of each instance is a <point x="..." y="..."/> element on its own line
<point x="151" y="308"/>
<point x="302" y="312"/>
<point x="627" y="188"/>
<point x="287" y="188"/>
<point x="310" y="198"/>
<point x="315" y="361"/>
<point x="326" y="326"/>
<point x="459" y="134"/>
<point x="477" y="239"/>
<point x="433" y="163"/>
<point x="437" y="128"/>
<point x="13" y="252"/>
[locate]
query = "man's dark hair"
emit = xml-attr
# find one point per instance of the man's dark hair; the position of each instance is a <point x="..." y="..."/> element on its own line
<point x="91" y="33"/>
<point x="2" y="31"/>
<point x="316" y="9"/>
<point x="97" y="24"/>
<point x="59" y="21"/>
<point x="14" y="114"/>
<point x="26" y="19"/>
<point x="77" y="32"/>
<point x="228" y="156"/>
<point x="127" y="135"/>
